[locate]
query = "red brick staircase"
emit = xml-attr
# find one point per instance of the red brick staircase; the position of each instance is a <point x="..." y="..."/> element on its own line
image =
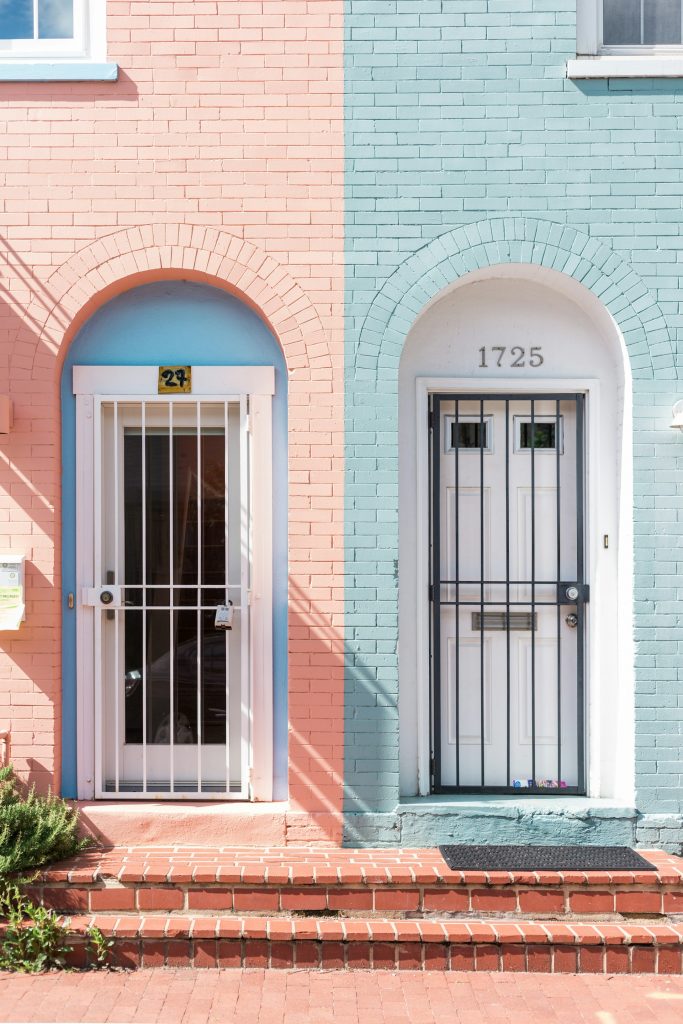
<point x="381" y="909"/>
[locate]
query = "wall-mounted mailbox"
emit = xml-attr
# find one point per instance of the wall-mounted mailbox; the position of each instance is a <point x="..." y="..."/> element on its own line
<point x="6" y="418"/>
<point x="12" y="600"/>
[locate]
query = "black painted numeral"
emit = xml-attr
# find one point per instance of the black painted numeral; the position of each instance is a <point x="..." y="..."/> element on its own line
<point x="515" y="357"/>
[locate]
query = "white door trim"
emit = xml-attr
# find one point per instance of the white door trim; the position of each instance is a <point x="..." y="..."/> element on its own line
<point x="91" y="383"/>
<point x="141" y="381"/>
<point x="424" y="387"/>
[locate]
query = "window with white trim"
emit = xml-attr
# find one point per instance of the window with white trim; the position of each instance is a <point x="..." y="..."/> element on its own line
<point x="630" y="27"/>
<point x="52" y="30"/>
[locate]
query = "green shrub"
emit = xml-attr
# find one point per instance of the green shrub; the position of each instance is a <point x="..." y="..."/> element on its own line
<point x="35" y="939"/>
<point x="34" y="830"/>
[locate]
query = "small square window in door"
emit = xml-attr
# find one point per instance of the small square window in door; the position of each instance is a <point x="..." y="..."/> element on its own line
<point x="470" y="433"/>
<point x="541" y="435"/>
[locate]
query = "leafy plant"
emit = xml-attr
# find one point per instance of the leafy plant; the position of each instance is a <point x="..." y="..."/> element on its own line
<point x="98" y="946"/>
<point x="34" y="830"/>
<point x="34" y="939"/>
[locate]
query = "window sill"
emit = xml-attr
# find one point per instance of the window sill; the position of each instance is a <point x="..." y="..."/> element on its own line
<point x="56" y="71"/>
<point x="625" y="67"/>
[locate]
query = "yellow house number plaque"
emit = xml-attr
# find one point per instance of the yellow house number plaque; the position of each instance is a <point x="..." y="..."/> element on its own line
<point x="175" y="380"/>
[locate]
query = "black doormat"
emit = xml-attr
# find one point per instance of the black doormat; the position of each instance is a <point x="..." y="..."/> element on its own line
<point x="544" y="858"/>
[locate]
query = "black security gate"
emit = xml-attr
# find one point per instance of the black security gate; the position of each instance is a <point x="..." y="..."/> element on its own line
<point x="508" y="593"/>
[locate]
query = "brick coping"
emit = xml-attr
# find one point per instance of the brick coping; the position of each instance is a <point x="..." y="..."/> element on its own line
<point x="127" y="926"/>
<point x="323" y="866"/>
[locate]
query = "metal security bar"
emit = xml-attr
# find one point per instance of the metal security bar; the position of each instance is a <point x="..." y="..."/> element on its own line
<point x="172" y="543"/>
<point x="508" y="593"/>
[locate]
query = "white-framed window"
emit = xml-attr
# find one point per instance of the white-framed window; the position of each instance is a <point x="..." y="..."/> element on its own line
<point x="52" y="30"/>
<point x="628" y="38"/>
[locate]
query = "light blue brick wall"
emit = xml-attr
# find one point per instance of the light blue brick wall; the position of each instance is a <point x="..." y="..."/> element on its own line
<point x="458" y="116"/>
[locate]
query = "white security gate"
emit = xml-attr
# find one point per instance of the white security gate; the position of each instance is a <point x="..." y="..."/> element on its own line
<point x="166" y="526"/>
<point x="508" y="593"/>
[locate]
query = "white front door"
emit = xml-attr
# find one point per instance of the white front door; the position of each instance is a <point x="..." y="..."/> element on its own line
<point x="166" y="518"/>
<point x="508" y="592"/>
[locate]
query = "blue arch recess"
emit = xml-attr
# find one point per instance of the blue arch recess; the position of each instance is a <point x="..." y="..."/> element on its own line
<point x="168" y="323"/>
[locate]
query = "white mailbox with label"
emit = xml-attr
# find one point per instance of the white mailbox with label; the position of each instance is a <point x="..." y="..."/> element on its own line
<point x="12" y="600"/>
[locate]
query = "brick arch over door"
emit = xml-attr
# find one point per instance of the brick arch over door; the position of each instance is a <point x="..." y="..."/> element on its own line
<point x="542" y="243"/>
<point x="135" y="256"/>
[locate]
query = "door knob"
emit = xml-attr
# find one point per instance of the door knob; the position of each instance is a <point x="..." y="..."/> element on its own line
<point x="572" y="621"/>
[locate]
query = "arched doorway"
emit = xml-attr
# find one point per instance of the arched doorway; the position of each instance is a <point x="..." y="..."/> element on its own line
<point x="174" y="460"/>
<point x="515" y="559"/>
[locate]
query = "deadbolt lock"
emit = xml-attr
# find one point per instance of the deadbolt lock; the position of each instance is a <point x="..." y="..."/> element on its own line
<point x="572" y="593"/>
<point x="106" y="597"/>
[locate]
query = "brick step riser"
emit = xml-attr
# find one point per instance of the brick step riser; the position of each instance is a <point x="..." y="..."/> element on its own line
<point x="543" y="902"/>
<point x="415" y="956"/>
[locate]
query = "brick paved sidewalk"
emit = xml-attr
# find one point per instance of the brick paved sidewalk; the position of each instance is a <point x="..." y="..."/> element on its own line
<point x="349" y="997"/>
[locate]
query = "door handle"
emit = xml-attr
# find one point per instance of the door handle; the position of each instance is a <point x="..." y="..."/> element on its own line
<point x="572" y="620"/>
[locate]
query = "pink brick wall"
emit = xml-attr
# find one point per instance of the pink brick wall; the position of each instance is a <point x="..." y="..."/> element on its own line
<point x="227" y="118"/>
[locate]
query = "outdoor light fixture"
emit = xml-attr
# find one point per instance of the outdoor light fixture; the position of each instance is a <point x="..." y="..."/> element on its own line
<point x="677" y="413"/>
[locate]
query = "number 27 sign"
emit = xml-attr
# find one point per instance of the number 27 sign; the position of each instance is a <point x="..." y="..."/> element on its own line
<point x="175" y="380"/>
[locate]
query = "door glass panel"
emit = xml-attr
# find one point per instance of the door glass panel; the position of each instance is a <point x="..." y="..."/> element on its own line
<point x="537" y="435"/>
<point x="469" y="433"/>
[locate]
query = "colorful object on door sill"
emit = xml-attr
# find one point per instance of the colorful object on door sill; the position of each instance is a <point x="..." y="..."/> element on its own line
<point x="538" y="784"/>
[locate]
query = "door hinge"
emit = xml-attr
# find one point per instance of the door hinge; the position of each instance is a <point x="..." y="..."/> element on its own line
<point x="430" y="419"/>
<point x="431" y="768"/>
<point x="431" y="592"/>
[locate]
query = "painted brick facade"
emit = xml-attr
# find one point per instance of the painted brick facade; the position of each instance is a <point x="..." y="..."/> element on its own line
<point x="216" y="156"/>
<point x="458" y="113"/>
<point x="337" y="164"/>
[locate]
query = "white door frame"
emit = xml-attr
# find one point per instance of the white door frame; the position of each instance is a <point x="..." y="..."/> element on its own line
<point x="139" y="383"/>
<point x="462" y="385"/>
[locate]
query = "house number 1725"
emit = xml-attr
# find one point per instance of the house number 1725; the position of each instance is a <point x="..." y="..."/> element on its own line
<point x="515" y="356"/>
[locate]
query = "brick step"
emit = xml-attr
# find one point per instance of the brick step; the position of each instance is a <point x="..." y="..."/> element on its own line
<point x="347" y="883"/>
<point x="514" y="900"/>
<point x="442" y="945"/>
